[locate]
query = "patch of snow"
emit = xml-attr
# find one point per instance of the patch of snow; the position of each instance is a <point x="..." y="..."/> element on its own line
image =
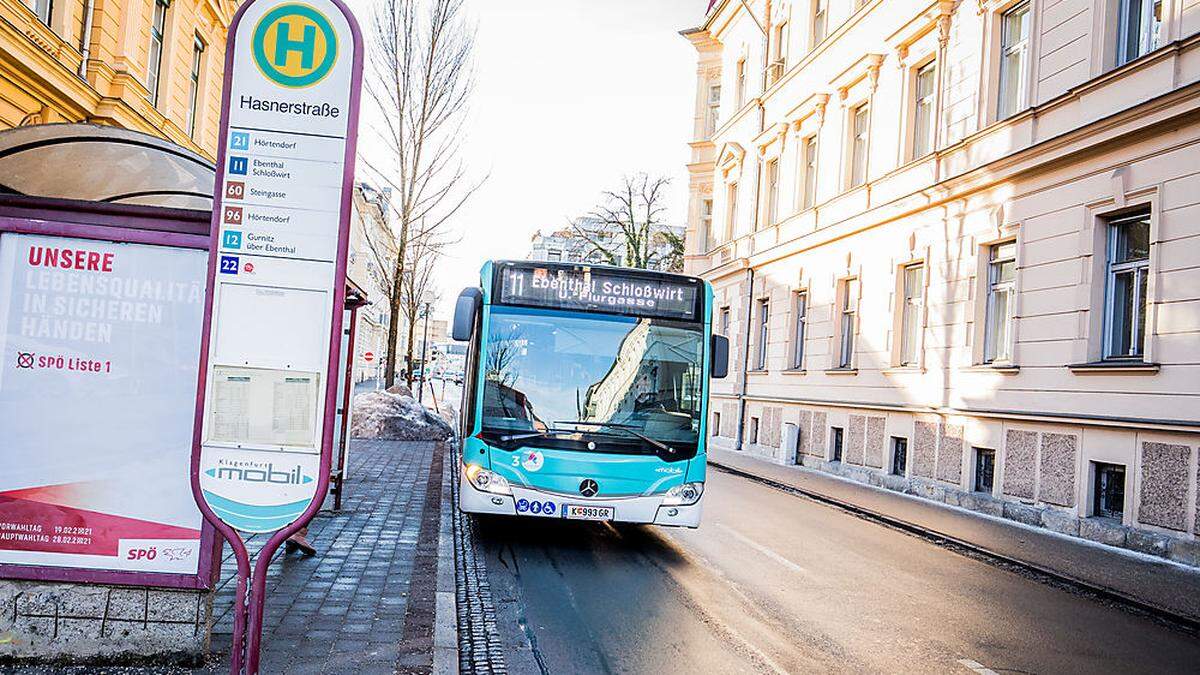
<point x="385" y="415"/>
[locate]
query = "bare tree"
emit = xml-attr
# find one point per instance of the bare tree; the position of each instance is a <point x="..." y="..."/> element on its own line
<point x="417" y="291"/>
<point x="629" y="225"/>
<point x="420" y="79"/>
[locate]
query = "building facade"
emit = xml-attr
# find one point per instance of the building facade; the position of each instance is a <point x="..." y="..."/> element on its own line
<point x="154" y="66"/>
<point x="569" y="245"/>
<point x="956" y="247"/>
<point x="372" y="248"/>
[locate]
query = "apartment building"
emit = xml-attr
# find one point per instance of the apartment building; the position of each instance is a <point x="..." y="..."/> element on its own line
<point x="154" y="66"/>
<point x="593" y="236"/>
<point x="956" y="247"/>
<point x="372" y="252"/>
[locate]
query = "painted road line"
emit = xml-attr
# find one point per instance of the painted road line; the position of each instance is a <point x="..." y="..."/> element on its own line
<point x="763" y="550"/>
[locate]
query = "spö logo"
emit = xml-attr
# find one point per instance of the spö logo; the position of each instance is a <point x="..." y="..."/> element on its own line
<point x="294" y="45"/>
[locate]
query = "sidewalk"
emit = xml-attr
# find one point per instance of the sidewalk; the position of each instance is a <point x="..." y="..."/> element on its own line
<point x="366" y="603"/>
<point x="1167" y="586"/>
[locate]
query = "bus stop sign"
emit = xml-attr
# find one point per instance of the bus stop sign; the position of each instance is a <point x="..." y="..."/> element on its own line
<point x="277" y="269"/>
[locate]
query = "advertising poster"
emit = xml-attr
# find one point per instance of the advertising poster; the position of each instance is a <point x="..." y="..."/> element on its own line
<point x="99" y="343"/>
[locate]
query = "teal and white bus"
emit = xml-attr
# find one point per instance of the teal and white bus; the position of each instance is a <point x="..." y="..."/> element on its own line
<point x="586" y="392"/>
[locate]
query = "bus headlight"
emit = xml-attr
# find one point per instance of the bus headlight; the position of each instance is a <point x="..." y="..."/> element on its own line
<point x="487" y="481"/>
<point x="684" y="495"/>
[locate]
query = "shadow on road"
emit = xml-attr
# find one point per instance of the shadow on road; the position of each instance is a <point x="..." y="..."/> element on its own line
<point x="574" y="536"/>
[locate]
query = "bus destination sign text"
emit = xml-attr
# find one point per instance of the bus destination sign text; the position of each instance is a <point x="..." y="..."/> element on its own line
<point x="598" y="290"/>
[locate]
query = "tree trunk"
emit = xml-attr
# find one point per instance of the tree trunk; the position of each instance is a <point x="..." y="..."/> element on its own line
<point x="408" y="357"/>
<point x="389" y="371"/>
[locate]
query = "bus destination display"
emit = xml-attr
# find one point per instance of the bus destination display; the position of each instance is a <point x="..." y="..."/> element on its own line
<point x="598" y="290"/>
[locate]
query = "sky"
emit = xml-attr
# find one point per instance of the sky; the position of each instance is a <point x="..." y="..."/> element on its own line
<point x="571" y="95"/>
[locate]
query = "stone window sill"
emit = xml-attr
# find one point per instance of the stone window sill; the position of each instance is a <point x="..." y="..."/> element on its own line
<point x="903" y="370"/>
<point x="758" y="371"/>
<point x="841" y="371"/>
<point x="1004" y="368"/>
<point x="1106" y="367"/>
<point x="795" y="371"/>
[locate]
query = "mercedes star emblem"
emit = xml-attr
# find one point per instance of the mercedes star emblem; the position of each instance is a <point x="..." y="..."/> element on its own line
<point x="588" y="488"/>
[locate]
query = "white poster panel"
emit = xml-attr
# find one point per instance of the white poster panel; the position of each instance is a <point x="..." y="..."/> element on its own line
<point x="99" y="343"/>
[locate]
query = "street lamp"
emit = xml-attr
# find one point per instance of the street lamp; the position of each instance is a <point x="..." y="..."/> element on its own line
<point x="424" y="348"/>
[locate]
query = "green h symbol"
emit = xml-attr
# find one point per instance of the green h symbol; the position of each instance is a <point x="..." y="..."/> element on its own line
<point x="284" y="45"/>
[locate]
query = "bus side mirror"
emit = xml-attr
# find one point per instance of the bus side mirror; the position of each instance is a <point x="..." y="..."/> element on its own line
<point x="464" y="313"/>
<point x="719" y="367"/>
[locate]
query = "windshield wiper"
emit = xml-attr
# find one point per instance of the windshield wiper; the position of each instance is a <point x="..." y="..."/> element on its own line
<point x="627" y="428"/>
<point x="551" y="433"/>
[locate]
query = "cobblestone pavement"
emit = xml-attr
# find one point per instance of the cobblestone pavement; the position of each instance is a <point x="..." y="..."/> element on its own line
<point x="480" y="649"/>
<point x="364" y="603"/>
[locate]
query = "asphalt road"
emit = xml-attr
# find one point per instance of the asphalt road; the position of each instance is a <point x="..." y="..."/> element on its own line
<point x="772" y="582"/>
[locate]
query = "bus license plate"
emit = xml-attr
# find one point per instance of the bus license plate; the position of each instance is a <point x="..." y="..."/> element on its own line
<point x="578" y="512"/>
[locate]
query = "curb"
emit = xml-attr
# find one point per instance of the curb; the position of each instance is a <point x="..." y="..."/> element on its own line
<point x="480" y="649"/>
<point x="1045" y="574"/>
<point x="445" y="623"/>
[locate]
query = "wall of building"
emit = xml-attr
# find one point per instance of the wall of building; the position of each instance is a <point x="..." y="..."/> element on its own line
<point x="1092" y="141"/>
<point x="40" y="67"/>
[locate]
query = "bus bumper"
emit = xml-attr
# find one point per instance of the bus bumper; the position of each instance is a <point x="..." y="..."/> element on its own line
<point x="537" y="504"/>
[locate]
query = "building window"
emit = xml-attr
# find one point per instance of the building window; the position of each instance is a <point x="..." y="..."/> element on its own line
<point x="1128" y="273"/>
<point x="764" y="318"/>
<point x="800" y="307"/>
<point x="859" y="121"/>
<point x="731" y="213"/>
<point x="778" y="63"/>
<point x="820" y="21"/>
<point x="835" y="442"/>
<point x="716" y="424"/>
<point x="753" y="431"/>
<point x="899" y="456"/>
<point x="849" y="314"/>
<point x="985" y="470"/>
<point x="1108" y="491"/>
<point x="1014" y="60"/>
<point x="713" y="114"/>
<point x="923" y="92"/>
<point x="194" y="84"/>
<point x="910" y="315"/>
<point x="808" y="157"/>
<point x="1002" y="272"/>
<point x="725" y="313"/>
<point x="771" y="176"/>
<point x="553" y="254"/>
<point x="706" y="221"/>
<point x="741" y="83"/>
<point x="157" y="27"/>
<point x="43" y="9"/>
<point x="1138" y="26"/>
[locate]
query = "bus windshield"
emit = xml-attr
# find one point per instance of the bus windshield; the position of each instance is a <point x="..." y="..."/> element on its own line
<point x="619" y="376"/>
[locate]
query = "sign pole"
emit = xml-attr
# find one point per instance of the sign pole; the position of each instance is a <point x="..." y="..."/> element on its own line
<point x="270" y="352"/>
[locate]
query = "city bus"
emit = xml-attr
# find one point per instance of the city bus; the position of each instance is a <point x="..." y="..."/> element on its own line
<point x="585" y="393"/>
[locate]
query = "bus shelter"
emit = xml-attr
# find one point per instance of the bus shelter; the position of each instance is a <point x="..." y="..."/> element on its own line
<point x="104" y="237"/>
